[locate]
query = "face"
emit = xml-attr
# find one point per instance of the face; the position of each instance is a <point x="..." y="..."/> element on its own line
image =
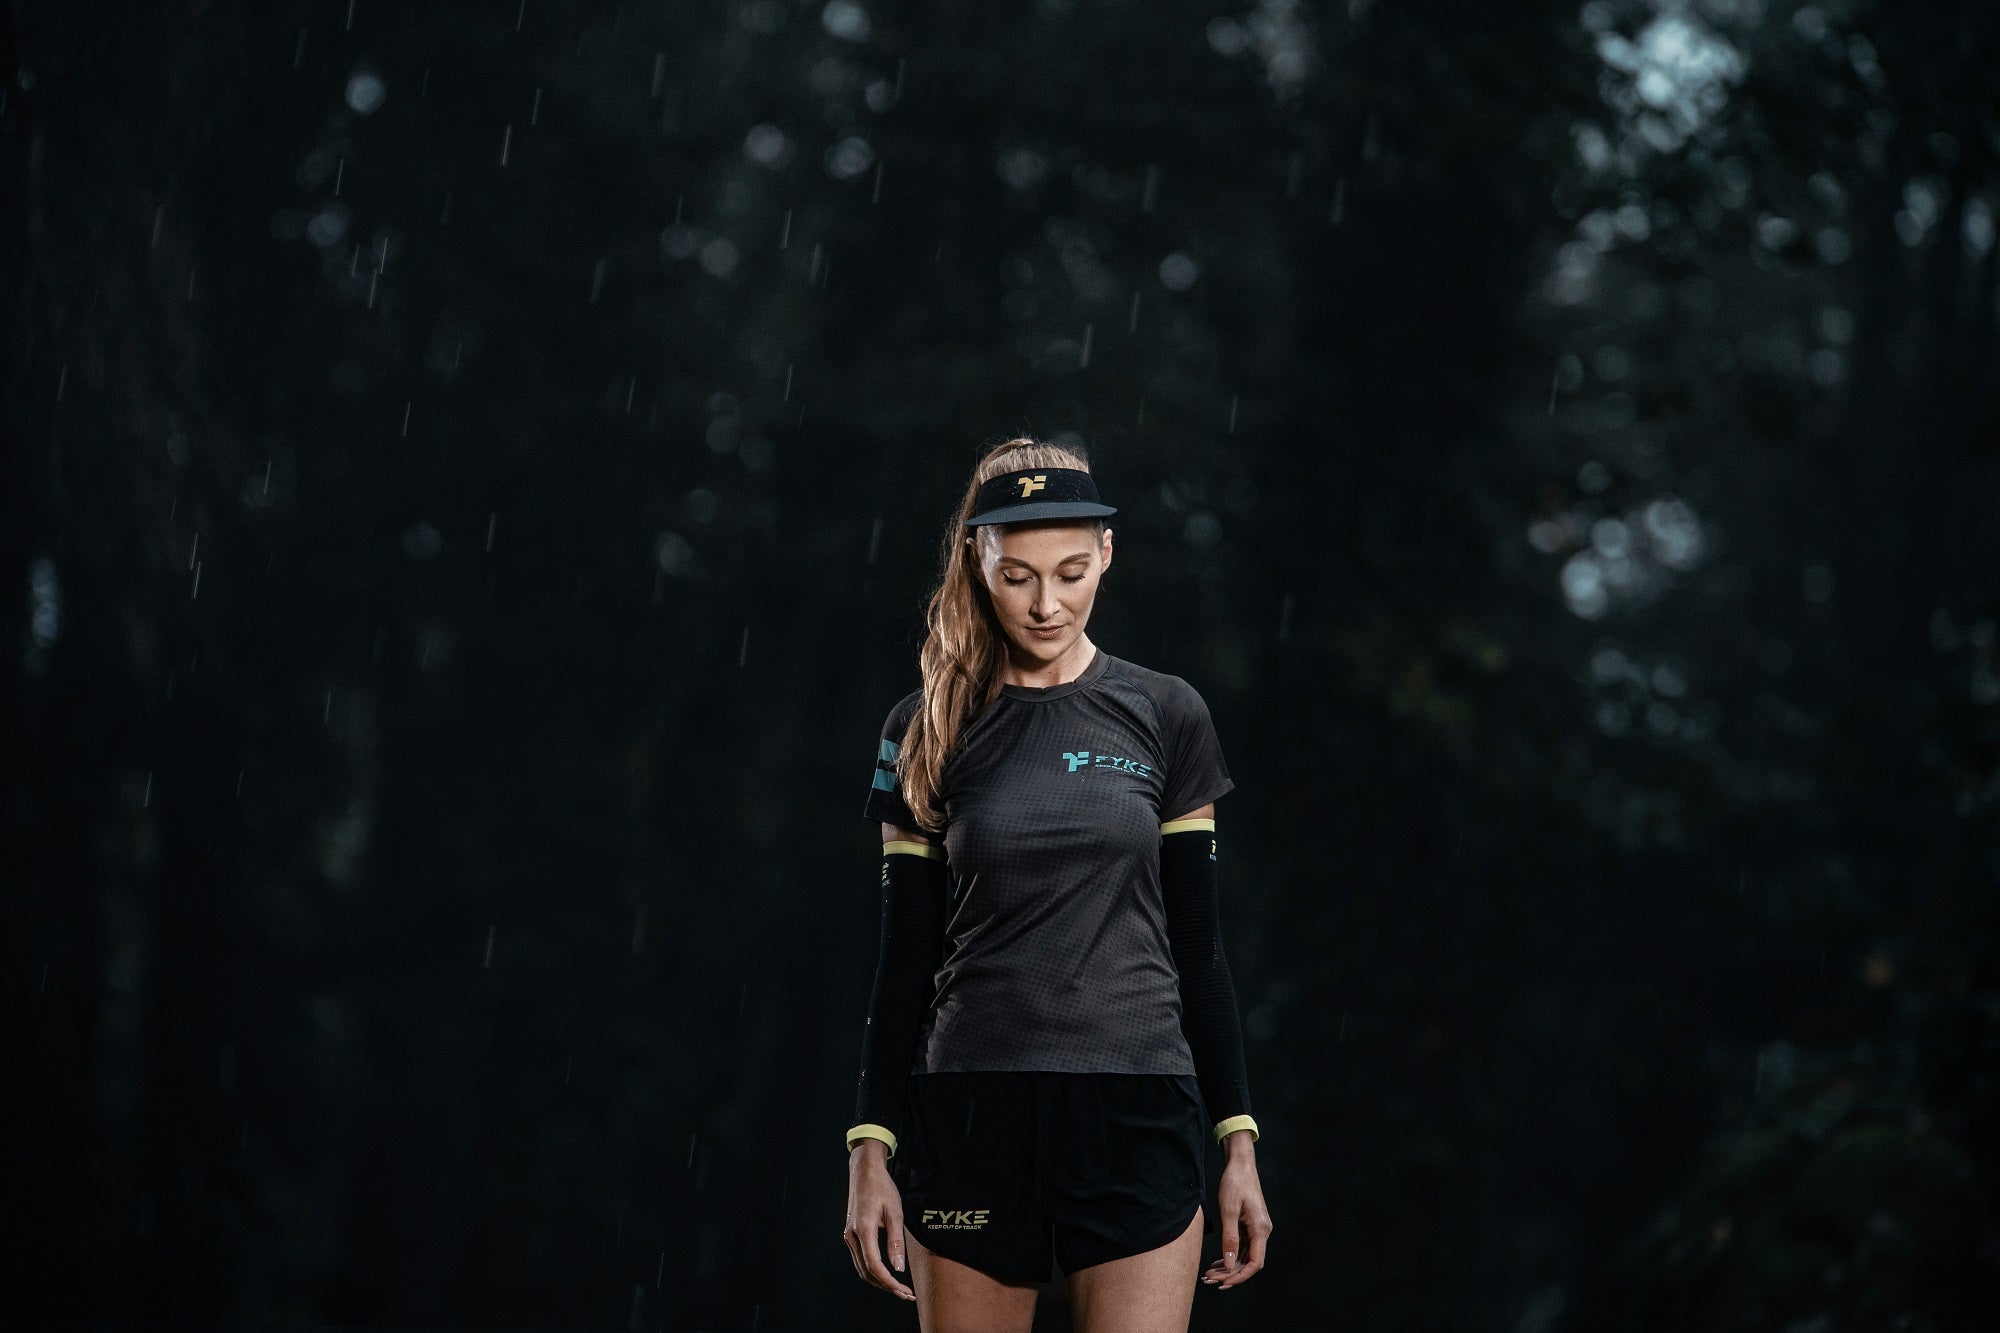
<point x="1043" y="579"/>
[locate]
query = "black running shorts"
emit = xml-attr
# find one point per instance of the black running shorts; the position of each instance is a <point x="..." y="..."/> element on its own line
<point x="1007" y="1170"/>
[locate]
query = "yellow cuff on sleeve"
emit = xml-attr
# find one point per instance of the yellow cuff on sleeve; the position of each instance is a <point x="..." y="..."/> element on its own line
<point x="1187" y="826"/>
<point x="1234" y="1123"/>
<point x="860" y="1132"/>
<point x="929" y="849"/>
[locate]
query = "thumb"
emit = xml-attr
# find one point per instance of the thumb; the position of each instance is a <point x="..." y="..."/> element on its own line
<point x="895" y="1225"/>
<point x="1230" y="1233"/>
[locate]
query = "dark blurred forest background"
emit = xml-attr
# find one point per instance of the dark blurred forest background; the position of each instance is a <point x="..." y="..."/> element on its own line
<point x="472" y="474"/>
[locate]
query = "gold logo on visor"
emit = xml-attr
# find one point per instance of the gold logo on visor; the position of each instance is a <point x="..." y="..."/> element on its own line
<point x="1029" y="485"/>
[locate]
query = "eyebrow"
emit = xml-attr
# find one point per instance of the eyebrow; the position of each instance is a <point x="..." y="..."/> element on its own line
<point x="1066" y="560"/>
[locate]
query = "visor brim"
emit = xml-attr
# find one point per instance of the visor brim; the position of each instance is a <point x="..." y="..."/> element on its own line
<point x="1035" y="509"/>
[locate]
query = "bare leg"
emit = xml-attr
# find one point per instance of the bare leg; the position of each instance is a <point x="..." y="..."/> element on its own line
<point x="1151" y="1292"/>
<point x="955" y="1298"/>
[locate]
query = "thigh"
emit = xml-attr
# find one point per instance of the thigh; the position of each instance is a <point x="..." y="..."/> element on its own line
<point x="954" y="1297"/>
<point x="1125" y="1172"/>
<point x="968" y="1183"/>
<point x="1141" y="1293"/>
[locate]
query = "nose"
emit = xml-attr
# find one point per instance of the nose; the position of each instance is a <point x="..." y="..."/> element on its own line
<point x="1046" y="604"/>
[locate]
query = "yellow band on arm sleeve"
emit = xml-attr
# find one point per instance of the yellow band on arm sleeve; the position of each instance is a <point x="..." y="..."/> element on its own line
<point x="929" y="849"/>
<point x="1227" y="1127"/>
<point x="860" y="1132"/>
<point x="1187" y="826"/>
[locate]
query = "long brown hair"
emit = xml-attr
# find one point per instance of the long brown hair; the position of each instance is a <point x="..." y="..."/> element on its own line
<point x="965" y="647"/>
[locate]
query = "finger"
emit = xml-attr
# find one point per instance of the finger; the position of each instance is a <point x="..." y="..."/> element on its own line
<point x="1243" y="1274"/>
<point x="1258" y="1236"/>
<point x="896" y="1245"/>
<point x="1252" y="1263"/>
<point x="871" y="1261"/>
<point x="854" y="1254"/>
<point x="878" y="1272"/>
<point x="1232" y="1243"/>
<point x="897" y="1261"/>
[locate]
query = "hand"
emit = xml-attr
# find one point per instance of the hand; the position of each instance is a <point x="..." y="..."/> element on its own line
<point x="1245" y="1219"/>
<point x="874" y="1205"/>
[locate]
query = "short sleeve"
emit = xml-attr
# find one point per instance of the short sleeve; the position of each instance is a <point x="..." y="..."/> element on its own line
<point x="1196" y="773"/>
<point x="885" y="797"/>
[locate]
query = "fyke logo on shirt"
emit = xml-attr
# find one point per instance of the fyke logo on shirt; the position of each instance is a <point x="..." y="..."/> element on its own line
<point x="1077" y="759"/>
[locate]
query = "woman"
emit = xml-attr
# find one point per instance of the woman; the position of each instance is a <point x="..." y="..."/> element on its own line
<point x="1052" y="1026"/>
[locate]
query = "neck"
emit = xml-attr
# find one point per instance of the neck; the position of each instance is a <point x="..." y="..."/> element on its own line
<point x="1038" y="674"/>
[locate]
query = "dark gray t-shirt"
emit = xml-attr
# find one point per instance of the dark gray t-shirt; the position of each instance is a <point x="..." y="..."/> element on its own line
<point x="1055" y="951"/>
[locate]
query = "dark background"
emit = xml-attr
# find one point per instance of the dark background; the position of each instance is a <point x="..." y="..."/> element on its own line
<point x="472" y="476"/>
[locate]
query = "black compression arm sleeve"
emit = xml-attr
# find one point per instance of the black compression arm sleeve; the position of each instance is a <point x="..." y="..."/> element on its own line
<point x="915" y="885"/>
<point x="1209" y="1016"/>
